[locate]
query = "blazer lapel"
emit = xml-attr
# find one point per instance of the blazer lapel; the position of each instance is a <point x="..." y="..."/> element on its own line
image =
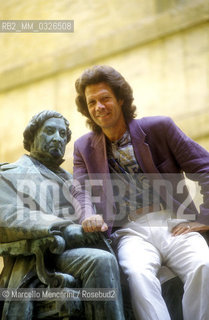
<point x="141" y="148"/>
<point x="98" y="154"/>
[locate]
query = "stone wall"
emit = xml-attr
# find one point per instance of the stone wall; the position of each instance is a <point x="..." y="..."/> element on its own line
<point x="160" y="46"/>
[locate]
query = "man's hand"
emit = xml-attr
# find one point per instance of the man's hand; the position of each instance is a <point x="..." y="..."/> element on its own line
<point x="94" y="223"/>
<point x="187" y="227"/>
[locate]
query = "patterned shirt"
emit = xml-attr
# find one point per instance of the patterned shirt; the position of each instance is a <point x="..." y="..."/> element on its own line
<point x="136" y="190"/>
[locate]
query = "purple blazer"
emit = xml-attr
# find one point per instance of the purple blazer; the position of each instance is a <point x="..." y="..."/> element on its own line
<point x="162" y="150"/>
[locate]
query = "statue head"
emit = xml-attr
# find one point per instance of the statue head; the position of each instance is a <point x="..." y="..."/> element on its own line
<point x="46" y="136"/>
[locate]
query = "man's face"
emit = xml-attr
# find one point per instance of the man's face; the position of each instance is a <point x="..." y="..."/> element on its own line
<point x="105" y="110"/>
<point x="51" y="138"/>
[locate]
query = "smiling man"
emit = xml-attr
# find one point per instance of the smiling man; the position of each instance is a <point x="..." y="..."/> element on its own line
<point x="105" y="110"/>
<point x="135" y="170"/>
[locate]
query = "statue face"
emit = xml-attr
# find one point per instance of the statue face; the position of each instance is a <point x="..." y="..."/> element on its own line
<point x="51" y="138"/>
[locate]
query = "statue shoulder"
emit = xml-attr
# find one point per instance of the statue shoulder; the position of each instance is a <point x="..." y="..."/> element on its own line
<point x="3" y="163"/>
<point x="5" y="166"/>
<point x="20" y="164"/>
<point x="67" y="174"/>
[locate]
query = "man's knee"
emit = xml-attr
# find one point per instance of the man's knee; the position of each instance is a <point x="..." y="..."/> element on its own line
<point x="203" y="269"/>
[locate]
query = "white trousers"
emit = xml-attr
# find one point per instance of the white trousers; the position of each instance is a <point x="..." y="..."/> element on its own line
<point x="147" y="243"/>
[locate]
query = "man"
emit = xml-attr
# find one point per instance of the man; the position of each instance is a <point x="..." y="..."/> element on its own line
<point x="154" y="226"/>
<point x="35" y="202"/>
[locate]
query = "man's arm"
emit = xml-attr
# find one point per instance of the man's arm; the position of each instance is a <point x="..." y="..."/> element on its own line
<point x="194" y="161"/>
<point x="187" y="227"/>
<point x="88" y="218"/>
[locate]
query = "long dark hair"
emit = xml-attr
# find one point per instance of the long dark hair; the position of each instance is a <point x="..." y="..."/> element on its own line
<point x="117" y="83"/>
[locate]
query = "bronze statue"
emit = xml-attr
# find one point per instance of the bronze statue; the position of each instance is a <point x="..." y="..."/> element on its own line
<point x="38" y="199"/>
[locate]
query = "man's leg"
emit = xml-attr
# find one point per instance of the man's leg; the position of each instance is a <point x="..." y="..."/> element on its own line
<point x="141" y="261"/>
<point x="96" y="269"/>
<point x="188" y="256"/>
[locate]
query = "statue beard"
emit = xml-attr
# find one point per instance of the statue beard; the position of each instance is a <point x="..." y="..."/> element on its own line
<point x="51" y="161"/>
